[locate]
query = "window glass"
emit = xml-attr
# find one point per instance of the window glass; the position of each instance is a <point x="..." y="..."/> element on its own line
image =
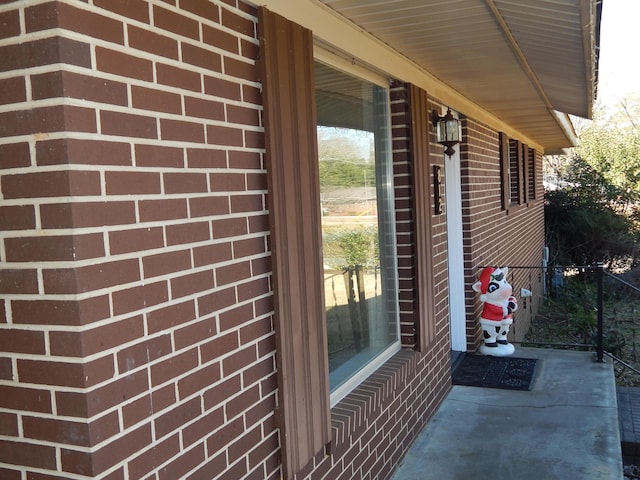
<point x="357" y="225"/>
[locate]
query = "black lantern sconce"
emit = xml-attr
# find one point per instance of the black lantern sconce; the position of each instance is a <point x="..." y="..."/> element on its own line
<point x="447" y="130"/>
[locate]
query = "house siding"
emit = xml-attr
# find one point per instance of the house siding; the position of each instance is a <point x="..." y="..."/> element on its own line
<point x="136" y="308"/>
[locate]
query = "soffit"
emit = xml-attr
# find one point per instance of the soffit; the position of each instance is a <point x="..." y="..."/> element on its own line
<point x="524" y="61"/>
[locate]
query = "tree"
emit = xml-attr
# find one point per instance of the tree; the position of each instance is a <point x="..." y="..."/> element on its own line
<point x="582" y="224"/>
<point x="339" y="144"/>
<point x="343" y="173"/>
<point x="593" y="215"/>
<point x="345" y="158"/>
<point x="611" y="146"/>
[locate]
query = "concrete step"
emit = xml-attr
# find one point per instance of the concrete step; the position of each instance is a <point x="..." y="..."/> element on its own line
<point x="629" y="421"/>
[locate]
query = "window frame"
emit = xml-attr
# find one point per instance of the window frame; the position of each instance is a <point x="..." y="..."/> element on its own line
<point x="348" y="67"/>
<point x="517" y="172"/>
<point x="303" y="414"/>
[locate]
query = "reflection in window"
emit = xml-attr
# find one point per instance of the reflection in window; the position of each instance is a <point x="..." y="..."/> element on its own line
<point x="357" y="224"/>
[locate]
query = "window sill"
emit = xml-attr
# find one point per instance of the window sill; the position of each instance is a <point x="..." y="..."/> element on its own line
<point x="355" y="412"/>
<point x="513" y="208"/>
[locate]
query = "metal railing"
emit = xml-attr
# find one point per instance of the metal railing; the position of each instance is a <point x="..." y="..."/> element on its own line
<point x="637" y="290"/>
<point x="598" y="270"/>
<point x="611" y="330"/>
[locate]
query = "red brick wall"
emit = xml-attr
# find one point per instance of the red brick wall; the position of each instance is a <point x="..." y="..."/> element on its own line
<point x="135" y="329"/>
<point x="401" y="133"/>
<point x="493" y="236"/>
<point x="375" y="424"/>
<point x="401" y="128"/>
<point x="135" y="334"/>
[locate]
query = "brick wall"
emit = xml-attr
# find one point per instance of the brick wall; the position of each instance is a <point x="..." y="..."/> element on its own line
<point x="493" y="236"/>
<point x="401" y="134"/>
<point x="401" y="131"/>
<point x="375" y="424"/>
<point x="135" y="328"/>
<point x="136" y="336"/>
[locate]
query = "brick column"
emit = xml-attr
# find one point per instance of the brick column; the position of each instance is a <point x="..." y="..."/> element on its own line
<point x="135" y="317"/>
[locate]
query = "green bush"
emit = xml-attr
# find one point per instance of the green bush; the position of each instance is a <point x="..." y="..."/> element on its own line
<point x="341" y="173"/>
<point x="348" y="248"/>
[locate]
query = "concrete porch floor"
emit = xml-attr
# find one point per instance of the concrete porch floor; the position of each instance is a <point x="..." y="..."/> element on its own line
<point x="566" y="427"/>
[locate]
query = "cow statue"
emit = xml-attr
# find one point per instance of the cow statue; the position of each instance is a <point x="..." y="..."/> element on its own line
<point x="497" y="312"/>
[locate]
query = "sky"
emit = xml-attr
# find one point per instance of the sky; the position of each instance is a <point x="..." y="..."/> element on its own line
<point x="619" y="50"/>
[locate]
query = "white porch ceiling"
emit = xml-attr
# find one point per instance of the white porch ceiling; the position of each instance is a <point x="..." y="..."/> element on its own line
<point x="528" y="62"/>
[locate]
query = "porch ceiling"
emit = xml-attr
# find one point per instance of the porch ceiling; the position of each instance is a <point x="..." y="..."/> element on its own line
<point x="527" y="62"/>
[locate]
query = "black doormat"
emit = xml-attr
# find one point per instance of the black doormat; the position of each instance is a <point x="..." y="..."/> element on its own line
<point x="511" y="373"/>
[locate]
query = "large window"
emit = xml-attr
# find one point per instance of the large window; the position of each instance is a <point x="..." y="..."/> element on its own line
<point x="357" y="225"/>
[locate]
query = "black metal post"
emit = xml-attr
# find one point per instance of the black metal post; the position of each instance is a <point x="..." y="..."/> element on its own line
<point x="600" y="339"/>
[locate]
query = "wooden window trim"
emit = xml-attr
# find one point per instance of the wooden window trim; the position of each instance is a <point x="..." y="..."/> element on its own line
<point x="303" y="414"/>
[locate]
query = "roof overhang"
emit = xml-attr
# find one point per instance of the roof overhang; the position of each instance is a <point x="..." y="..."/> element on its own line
<point x="522" y="66"/>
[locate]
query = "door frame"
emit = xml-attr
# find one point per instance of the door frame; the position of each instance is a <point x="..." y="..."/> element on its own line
<point x="455" y="252"/>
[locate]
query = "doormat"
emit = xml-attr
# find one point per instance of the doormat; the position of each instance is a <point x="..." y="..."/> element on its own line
<point x="511" y="373"/>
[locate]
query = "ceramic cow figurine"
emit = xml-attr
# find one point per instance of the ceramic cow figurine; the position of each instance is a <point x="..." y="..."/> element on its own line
<point x="499" y="304"/>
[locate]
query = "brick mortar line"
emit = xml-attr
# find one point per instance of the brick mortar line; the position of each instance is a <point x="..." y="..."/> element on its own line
<point x="173" y="302"/>
<point x="79" y="296"/>
<point x="84" y="167"/>
<point x="23" y="36"/>
<point x="140" y="224"/>
<point x="99" y="74"/>
<point x="80" y="231"/>
<point x="76" y="264"/>
<point x="45" y="472"/>
<point x="126" y="21"/>
<point x="99" y="108"/>
<point x="174" y="380"/>
<point x="129" y="81"/>
<point x="120" y="317"/>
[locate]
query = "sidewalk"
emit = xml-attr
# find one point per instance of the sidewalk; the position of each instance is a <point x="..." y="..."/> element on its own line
<point x="566" y="427"/>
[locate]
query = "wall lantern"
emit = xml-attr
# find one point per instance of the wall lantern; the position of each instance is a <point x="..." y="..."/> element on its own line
<point x="447" y="130"/>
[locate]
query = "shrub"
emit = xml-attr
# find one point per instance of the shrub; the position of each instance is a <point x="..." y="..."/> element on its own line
<point x="584" y="222"/>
